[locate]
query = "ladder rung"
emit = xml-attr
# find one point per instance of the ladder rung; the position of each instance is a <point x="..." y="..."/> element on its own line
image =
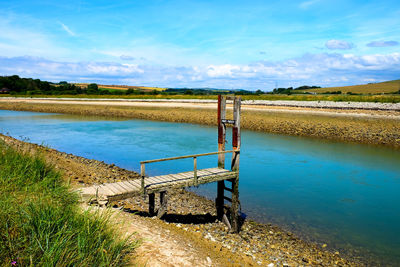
<point x="228" y="189"/>
<point x="227" y="198"/>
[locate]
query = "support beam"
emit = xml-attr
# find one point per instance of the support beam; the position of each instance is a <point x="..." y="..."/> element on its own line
<point x="219" y="201"/>
<point x="163" y="204"/>
<point x="151" y="204"/>
<point x="235" y="205"/>
<point x="235" y="164"/>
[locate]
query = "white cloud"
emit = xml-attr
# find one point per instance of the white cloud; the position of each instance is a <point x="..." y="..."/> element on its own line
<point x="126" y="57"/>
<point x="382" y="43"/>
<point x="226" y="70"/>
<point x="338" y="44"/>
<point x="326" y="69"/>
<point x="68" y="30"/>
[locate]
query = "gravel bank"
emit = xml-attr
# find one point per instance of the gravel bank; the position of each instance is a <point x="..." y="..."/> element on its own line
<point x="281" y="103"/>
<point x="193" y="218"/>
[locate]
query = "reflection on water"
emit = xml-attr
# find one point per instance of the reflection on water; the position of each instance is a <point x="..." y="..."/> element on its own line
<point x="345" y="195"/>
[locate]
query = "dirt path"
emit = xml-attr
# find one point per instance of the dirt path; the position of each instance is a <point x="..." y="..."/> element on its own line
<point x="161" y="246"/>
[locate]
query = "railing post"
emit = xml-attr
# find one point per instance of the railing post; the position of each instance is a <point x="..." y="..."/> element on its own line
<point x="195" y="170"/>
<point x="142" y="174"/>
<point x="219" y="201"/>
<point x="235" y="164"/>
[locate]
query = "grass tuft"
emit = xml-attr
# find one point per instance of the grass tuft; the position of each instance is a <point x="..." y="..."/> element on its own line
<point x="41" y="223"/>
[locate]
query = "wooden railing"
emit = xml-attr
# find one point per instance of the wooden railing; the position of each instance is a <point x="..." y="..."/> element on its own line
<point x="142" y="163"/>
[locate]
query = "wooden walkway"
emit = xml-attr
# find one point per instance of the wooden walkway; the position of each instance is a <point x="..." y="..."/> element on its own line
<point x="148" y="186"/>
<point x="154" y="184"/>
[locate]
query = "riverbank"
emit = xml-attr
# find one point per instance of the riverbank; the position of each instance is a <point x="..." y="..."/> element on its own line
<point x="376" y="127"/>
<point x="41" y="223"/>
<point x="190" y="225"/>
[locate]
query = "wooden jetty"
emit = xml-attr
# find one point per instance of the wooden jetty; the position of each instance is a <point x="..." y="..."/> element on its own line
<point x="149" y="186"/>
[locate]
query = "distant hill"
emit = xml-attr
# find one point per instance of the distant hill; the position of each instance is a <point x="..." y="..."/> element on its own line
<point x="371" y="88"/>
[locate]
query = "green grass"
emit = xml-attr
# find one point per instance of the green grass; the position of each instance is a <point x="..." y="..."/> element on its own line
<point x="41" y="223"/>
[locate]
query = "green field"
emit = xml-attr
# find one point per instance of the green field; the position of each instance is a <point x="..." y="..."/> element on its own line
<point x="371" y="88"/>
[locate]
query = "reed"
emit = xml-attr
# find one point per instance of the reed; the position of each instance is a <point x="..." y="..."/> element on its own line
<point x="41" y="223"/>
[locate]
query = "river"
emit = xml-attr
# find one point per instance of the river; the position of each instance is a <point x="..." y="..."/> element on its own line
<point x="345" y="195"/>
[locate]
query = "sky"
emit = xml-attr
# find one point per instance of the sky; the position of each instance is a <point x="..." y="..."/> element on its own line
<point x="215" y="44"/>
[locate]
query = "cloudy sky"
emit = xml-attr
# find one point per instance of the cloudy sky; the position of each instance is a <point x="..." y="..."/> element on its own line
<point x="225" y="44"/>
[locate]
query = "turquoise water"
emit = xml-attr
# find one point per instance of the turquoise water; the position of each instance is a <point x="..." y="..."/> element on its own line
<point x="345" y="195"/>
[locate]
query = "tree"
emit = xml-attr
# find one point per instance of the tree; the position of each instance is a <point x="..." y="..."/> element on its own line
<point x="93" y="87"/>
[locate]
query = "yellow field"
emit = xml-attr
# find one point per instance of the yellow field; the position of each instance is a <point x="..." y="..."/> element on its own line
<point x="123" y="87"/>
<point x="372" y="88"/>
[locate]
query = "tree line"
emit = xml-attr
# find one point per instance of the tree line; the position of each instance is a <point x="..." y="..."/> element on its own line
<point x="16" y="85"/>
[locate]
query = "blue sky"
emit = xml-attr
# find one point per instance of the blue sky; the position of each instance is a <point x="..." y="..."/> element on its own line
<point x="224" y="44"/>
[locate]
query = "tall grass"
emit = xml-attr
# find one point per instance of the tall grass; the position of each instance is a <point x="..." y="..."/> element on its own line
<point x="41" y="223"/>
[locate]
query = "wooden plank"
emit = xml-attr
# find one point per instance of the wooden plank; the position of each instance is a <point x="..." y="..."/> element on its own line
<point x="136" y="186"/>
<point x="209" y="172"/>
<point x="127" y="188"/>
<point x="128" y="185"/>
<point x="212" y="171"/>
<point x="203" y="173"/>
<point x="104" y="190"/>
<point x="112" y="188"/>
<point x="120" y="187"/>
<point x="185" y="157"/>
<point x="218" y="170"/>
<point x="156" y="179"/>
<point x="134" y="183"/>
<point x="186" y="174"/>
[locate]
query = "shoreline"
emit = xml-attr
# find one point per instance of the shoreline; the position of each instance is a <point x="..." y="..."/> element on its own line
<point x="274" y="103"/>
<point x="356" y="126"/>
<point x="192" y="217"/>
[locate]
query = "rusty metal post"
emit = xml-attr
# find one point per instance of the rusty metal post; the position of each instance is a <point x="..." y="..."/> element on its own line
<point x="219" y="202"/>
<point x="221" y="130"/>
<point x="235" y="164"/>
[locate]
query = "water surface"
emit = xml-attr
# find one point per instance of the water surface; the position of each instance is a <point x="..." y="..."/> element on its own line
<point x="345" y="195"/>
